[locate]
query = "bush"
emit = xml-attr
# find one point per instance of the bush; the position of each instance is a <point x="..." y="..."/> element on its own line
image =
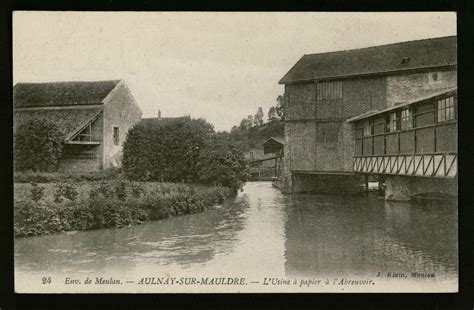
<point x="37" y="145"/>
<point x="182" y="150"/>
<point x="48" y="177"/>
<point x="37" y="192"/>
<point x="222" y="163"/>
<point x="65" y="190"/>
<point x="156" y="201"/>
<point x="165" y="150"/>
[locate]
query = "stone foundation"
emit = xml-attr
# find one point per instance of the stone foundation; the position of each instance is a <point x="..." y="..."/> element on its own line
<point x="327" y="184"/>
<point x="402" y="188"/>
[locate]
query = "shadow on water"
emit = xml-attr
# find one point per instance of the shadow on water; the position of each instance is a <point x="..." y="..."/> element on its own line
<point x="363" y="235"/>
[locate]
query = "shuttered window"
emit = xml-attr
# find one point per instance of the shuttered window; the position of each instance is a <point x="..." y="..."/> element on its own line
<point x="329" y="90"/>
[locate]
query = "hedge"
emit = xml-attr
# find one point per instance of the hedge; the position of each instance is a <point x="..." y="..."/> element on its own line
<point x="111" y="204"/>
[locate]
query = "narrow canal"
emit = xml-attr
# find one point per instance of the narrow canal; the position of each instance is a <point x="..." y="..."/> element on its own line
<point x="261" y="232"/>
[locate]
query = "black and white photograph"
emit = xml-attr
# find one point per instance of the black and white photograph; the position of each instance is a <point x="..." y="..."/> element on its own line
<point x="235" y="152"/>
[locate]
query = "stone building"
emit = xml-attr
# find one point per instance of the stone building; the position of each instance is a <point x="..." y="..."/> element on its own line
<point x="324" y="90"/>
<point x="95" y="117"/>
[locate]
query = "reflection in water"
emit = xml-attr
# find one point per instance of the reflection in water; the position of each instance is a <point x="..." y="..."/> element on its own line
<point x="262" y="233"/>
<point x="364" y="235"/>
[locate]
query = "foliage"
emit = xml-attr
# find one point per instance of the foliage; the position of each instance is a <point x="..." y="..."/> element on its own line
<point x="37" y="145"/>
<point x="281" y="107"/>
<point x="178" y="151"/>
<point x="65" y="190"/>
<point x="49" y="177"/>
<point x="107" y="208"/>
<point x="222" y="163"/>
<point x="251" y="132"/>
<point x="37" y="192"/>
<point x="165" y="151"/>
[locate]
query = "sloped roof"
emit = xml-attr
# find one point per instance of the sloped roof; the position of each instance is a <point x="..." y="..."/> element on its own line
<point x="395" y="57"/>
<point x="280" y="140"/>
<point x="68" y="120"/>
<point x="434" y="94"/>
<point x="61" y="93"/>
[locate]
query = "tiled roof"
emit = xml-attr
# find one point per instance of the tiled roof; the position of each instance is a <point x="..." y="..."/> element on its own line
<point x="61" y="93"/>
<point x="280" y="140"/>
<point x="69" y="120"/>
<point x="382" y="59"/>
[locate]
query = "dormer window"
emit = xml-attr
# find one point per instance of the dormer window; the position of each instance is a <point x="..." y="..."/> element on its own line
<point x="405" y="60"/>
<point x="84" y="135"/>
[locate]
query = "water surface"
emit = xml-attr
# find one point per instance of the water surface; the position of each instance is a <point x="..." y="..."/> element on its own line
<point x="261" y="233"/>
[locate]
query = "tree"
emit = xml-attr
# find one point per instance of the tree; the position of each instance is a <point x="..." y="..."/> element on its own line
<point x="258" y="118"/>
<point x="246" y="123"/>
<point x="281" y="107"/>
<point x="221" y="162"/>
<point x="272" y="115"/>
<point x="183" y="149"/>
<point x="37" y="145"/>
<point x="165" y="151"/>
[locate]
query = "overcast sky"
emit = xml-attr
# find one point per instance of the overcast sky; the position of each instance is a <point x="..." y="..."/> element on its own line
<point x="220" y="66"/>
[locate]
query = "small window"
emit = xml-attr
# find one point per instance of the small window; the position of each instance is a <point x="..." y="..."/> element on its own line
<point x="434" y="76"/>
<point x="445" y="109"/>
<point x="116" y="135"/>
<point x="406" y="119"/>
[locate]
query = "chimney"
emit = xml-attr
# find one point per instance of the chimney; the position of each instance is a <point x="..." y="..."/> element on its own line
<point x="159" y="114"/>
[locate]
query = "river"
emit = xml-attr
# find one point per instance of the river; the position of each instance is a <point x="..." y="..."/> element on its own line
<point x="257" y="234"/>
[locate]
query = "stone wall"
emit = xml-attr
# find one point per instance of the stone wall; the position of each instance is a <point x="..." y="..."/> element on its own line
<point x="410" y="86"/>
<point x="328" y="184"/>
<point x="402" y="188"/>
<point x="364" y="94"/>
<point x="121" y="110"/>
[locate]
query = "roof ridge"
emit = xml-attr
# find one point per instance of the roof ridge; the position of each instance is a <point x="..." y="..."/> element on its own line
<point x="64" y="82"/>
<point x="382" y="45"/>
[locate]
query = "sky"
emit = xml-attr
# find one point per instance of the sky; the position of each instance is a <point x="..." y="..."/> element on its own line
<point x="215" y="65"/>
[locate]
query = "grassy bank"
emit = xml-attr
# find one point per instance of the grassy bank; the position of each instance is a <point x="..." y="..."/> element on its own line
<point x="45" y="208"/>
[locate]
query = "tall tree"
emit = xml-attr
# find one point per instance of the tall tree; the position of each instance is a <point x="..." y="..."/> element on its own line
<point x="272" y="115"/>
<point x="258" y="118"/>
<point x="281" y="107"/>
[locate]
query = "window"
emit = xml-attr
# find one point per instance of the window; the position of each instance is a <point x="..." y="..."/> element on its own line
<point x="329" y="91"/>
<point x="445" y="109"/>
<point x="367" y="128"/>
<point x="406" y="119"/>
<point x="387" y="123"/>
<point x="84" y="135"/>
<point x="395" y="118"/>
<point x="116" y="135"/>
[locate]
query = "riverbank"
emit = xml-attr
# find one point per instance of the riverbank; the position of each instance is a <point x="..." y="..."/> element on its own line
<point x="45" y="208"/>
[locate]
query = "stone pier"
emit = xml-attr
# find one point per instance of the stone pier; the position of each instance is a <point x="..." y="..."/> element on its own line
<point x="402" y="188"/>
<point x="343" y="184"/>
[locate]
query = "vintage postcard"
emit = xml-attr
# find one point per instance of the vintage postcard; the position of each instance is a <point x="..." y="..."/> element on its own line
<point x="209" y="152"/>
